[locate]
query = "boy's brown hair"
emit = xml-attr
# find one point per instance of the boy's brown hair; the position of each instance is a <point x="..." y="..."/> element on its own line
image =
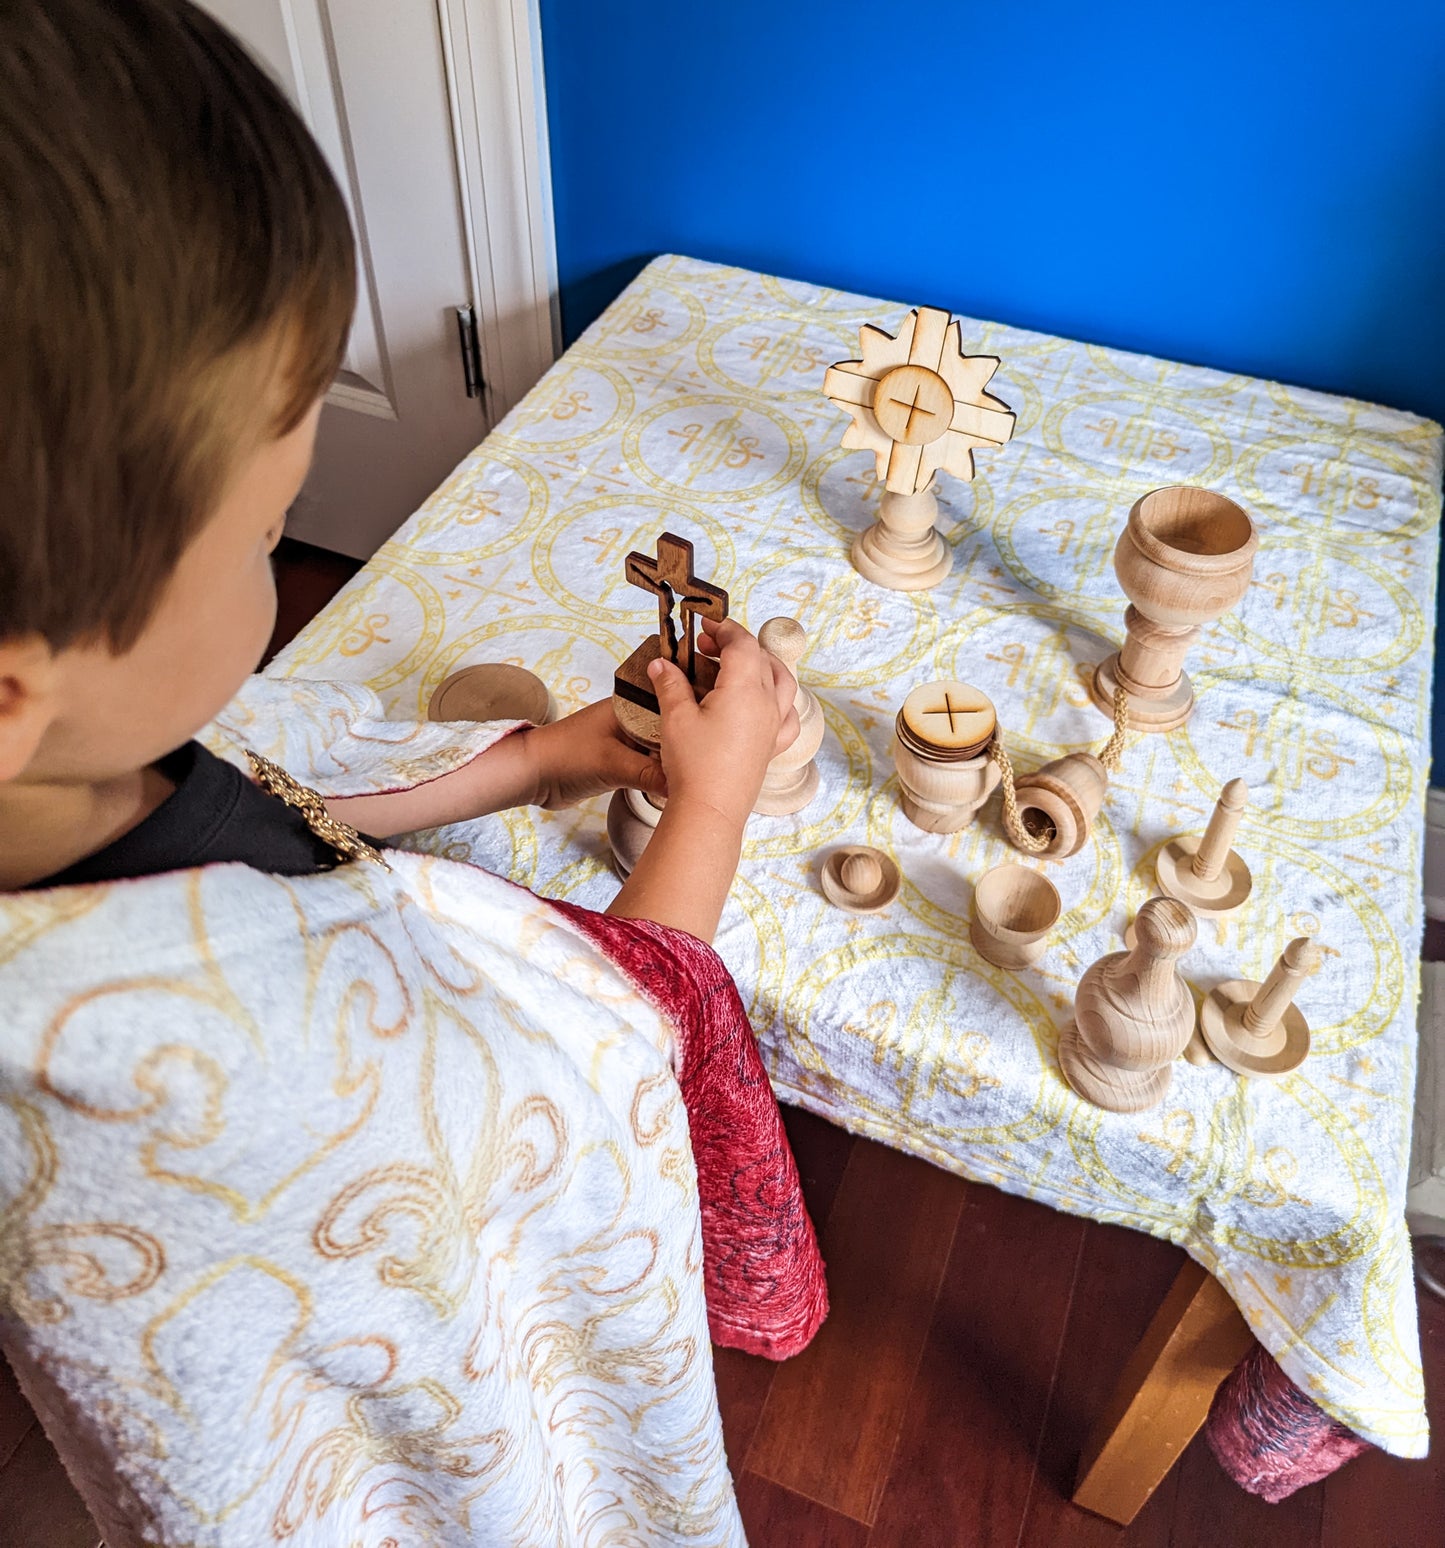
<point x="173" y="250"/>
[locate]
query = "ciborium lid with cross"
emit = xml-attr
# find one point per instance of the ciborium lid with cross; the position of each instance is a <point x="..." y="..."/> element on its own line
<point x="682" y="598"/>
<point x="918" y="402"/>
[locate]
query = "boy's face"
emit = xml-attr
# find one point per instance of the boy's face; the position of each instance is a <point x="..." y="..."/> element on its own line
<point x="105" y="715"/>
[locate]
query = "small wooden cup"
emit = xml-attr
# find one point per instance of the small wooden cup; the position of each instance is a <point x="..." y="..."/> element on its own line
<point x="493" y="690"/>
<point x="1014" y="909"/>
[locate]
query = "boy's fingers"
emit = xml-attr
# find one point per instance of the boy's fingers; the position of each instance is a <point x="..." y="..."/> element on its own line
<point x="674" y="692"/>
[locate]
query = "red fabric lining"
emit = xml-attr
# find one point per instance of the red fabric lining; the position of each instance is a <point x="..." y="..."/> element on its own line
<point x="762" y="1270"/>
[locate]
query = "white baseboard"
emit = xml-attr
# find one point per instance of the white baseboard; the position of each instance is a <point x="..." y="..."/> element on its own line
<point x="1435" y="853"/>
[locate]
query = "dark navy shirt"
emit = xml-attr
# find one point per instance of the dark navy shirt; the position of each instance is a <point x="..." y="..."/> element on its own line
<point x="214" y="814"/>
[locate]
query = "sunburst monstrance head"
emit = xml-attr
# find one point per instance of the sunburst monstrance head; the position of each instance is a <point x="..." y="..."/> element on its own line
<point x="918" y="402"/>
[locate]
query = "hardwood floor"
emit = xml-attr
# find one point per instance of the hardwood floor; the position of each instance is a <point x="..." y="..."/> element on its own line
<point x="973" y="1338"/>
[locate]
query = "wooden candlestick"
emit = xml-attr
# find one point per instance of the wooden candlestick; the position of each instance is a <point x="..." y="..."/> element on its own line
<point x="1014" y="908"/>
<point x="792" y="777"/>
<point x="940" y="750"/>
<point x="1060" y="801"/>
<point x="1256" y="1029"/>
<point x="1203" y="871"/>
<point x="1184" y="559"/>
<point x="1133" y="1015"/>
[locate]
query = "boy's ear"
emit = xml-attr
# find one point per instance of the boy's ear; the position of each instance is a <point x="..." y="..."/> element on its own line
<point x="27" y="701"/>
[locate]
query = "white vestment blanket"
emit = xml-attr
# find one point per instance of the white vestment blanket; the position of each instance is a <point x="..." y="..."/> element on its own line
<point x="354" y="1209"/>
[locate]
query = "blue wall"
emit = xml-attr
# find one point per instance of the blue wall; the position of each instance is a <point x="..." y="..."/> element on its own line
<point x="1259" y="187"/>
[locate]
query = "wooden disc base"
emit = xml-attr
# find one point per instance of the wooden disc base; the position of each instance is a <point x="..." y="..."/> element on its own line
<point x="1282" y="1048"/>
<point x="1162" y="710"/>
<point x="903" y="550"/>
<point x="1174" y="872"/>
<point x="1115" y="1090"/>
<point x="1009" y="955"/>
<point x="493" y="690"/>
<point x="783" y="801"/>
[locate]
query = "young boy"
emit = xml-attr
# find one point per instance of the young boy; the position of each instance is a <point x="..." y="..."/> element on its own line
<point x="344" y="1196"/>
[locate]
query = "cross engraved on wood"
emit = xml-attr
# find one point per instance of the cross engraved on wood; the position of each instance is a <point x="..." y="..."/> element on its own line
<point x="918" y="402"/>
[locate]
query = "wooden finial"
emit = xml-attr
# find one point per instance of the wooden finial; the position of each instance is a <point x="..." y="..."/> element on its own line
<point x="859" y="879"/>
<point x="1256" y="1029"/>
<point x="1205" y="872"/>
<point x="1133" y="1015"/>
<point x="792" y="777"/>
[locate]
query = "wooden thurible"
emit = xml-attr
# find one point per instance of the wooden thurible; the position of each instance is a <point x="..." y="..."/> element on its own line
<point x="792" y="777"/>
<point x="1133" y="1015"/>
<point x="1203" y="870"/>
<point x="1059" y="802"/>
<point x="1257" y="1029"/>
<point x="1184" y="559"/>
<point x="1014" y="908"/>
<point x="940" y="750"/>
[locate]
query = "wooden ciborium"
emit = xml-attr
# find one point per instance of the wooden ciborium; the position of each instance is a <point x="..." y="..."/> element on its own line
<point x="1184" y="558"/>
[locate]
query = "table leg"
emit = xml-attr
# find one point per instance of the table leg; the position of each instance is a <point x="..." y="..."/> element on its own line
<point x="1196" y="1339"/>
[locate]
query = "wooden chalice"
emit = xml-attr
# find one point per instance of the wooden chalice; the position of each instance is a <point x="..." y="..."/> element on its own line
<point x="1184" y="558"/>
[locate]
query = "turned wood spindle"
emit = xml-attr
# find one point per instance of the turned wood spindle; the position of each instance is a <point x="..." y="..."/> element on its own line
<point x="1257" y="1029"/>
<point x="1206" y="872"/>
<point x="792" y="778"/>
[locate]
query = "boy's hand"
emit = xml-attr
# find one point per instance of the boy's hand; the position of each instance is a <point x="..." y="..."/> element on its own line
<point x="716" y="753"/>
<point x="585" y="755"/>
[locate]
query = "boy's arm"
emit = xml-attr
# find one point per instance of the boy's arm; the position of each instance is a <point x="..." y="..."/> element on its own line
<point x="714" y="755"/>
<point x="580" y="756"/>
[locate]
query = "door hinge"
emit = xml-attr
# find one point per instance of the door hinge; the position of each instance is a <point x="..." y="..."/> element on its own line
<point x="471" y="351"/>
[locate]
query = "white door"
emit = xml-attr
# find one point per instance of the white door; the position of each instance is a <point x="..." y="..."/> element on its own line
<point x="370" y="79"/>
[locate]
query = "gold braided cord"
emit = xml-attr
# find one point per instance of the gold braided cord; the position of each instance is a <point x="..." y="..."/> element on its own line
<point x="1110" y="755"/>
<point x="1012" y="821"/>
<point x="344" y="839"/>
<point x="1112" y="751"/>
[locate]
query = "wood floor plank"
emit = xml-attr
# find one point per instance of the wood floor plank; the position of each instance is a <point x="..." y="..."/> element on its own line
<point x="1210" y="1509"/>
<point x="821" y="1150"/>
<point x="1123" y="1277"/>
<point x="743" y="1381"/>
<point x="966" y="1455"/>
<point x="39" y="1507"/>
<point x="16" y="1416"/>
<point x="833" y="1415"/>
<point x="1387" y="1502"/>
<point x="777" y="1518"/>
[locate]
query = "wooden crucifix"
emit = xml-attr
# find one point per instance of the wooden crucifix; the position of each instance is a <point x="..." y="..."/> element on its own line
<point x="669" y="578"/>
